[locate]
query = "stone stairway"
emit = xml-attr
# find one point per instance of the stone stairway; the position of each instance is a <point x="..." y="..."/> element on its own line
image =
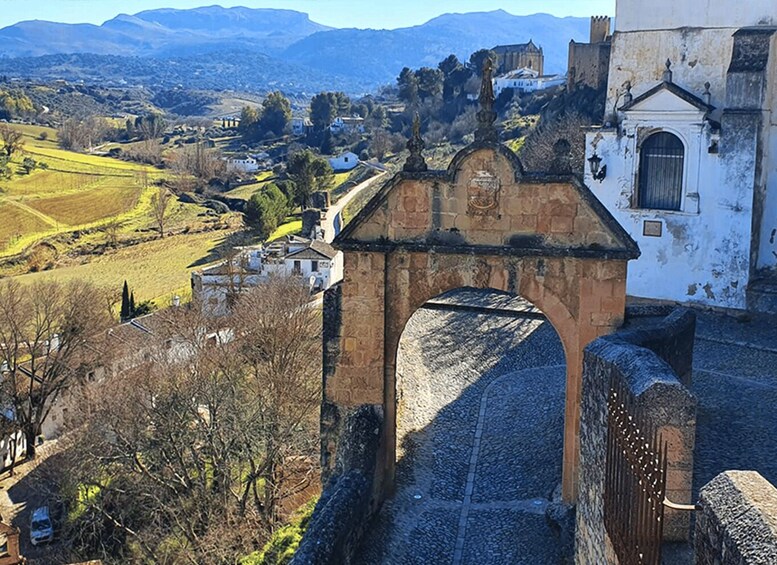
<point x="762" y="295"/>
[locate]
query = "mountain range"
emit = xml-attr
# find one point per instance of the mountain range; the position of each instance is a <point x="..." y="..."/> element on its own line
<point x="245" y="48"/>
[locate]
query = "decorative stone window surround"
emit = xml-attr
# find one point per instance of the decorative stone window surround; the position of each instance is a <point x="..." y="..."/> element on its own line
<point x="691" y="134"/>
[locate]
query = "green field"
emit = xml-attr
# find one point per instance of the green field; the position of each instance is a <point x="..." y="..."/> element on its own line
<point x="74" y="192"/>
<point x="246" y="191"/>
<point x="292" y="227"/>
<point x="16" y="221"/>
<point x="156" y="270"/>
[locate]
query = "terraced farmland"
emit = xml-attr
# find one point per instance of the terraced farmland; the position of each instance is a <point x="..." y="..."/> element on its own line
<point x="72" y="191"/>
<point x="15" y="221"/>
<point x="89" y="206"/>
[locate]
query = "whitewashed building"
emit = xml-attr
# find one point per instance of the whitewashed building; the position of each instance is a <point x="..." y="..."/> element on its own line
<point x="316" y="263"/>
<point x="526" y="80"/>
<point x="347" y="125"/>
<point x="687" y="157"/>
<point x="243" y="164"/>
<point x="344" y="162"/>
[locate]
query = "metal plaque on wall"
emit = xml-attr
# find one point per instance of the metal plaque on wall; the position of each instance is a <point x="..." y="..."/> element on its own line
<point x="653" y="228"/>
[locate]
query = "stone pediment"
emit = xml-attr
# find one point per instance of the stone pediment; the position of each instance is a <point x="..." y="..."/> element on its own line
<point x="668" y="97"/>
<point x="484" y="203"/>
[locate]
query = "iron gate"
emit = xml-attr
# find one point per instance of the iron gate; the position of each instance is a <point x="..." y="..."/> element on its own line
<point x="635" y="481"/>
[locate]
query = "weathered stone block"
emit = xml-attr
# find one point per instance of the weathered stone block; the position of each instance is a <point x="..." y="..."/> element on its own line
<point x="737" y="523"/>
<point x="562" y="224"/>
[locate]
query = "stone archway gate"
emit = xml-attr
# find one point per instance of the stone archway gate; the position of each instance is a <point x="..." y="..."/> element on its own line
<point x="482" y="223"/>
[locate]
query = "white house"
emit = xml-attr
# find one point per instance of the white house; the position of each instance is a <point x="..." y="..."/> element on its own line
<point x="301" y="126"/>
<point x="687" y="157"/>
<point x="344" y="162"/>
<point x="526" y="80"/>
<point x="316" y="263"/>
<point x="320" y="264"/>
<point x="347" y="125"/>
<point x="243" y="164"/>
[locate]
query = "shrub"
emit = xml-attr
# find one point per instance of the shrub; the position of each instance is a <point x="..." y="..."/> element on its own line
<point x="29" y="164"/>
<point x="266" y="210"/>
<point x="280" y="549"/>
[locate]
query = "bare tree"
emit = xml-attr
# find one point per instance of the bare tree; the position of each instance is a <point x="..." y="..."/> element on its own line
<point x="557" y="145"/>
<point x="210" y="440"/>
<point x="148" y="151"/>
<point x="44" y="346"/>
<point x="380" y="144"/>
<point x="198" y="161"/>
<point x="160" y="202"/>
<point x="11" y="140"/>
<point x="78" y="135"/>
<point x="112" y="228"/>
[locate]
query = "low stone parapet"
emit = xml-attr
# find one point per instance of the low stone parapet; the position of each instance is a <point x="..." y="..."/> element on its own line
<point x="649" y="363"/>
<point x="348" y="500"/>
<point x="737" y="521"/>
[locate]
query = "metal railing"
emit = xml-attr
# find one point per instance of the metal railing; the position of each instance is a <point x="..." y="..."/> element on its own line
<point x="635" y="481"/>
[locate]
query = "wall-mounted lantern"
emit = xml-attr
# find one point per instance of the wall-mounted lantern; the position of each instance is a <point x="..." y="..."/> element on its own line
<point x="598" y="171"/>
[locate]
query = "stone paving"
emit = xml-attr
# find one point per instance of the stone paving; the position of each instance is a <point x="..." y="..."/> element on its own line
<point x="735" y="381"/>
<point x="480" y="425"/>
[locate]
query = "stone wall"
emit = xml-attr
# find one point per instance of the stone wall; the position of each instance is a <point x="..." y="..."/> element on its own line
<point x="737" y="521"/>
<point x="672" y="341"/>
<point x="588" y="65"/>
<point x="600" y="28"/>
<point x="348" y="500"/>
<point x="646" y="360"/>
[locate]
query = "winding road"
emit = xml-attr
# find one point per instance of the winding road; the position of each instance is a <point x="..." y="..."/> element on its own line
<point x="332" y="223"/>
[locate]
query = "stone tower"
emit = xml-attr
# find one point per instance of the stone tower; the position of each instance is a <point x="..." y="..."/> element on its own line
<point x="600" y="28"/>
<point x="589" y="63"/>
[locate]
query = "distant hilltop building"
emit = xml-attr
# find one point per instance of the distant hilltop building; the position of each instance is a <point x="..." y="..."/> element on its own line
<point x="589" y="63"/>
<point x="519" y="56"/>
<point x="686" y="159"/>
<point x="525" y="81"/>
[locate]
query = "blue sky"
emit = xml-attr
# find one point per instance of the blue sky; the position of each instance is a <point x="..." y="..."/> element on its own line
<point x="336" y="13"/>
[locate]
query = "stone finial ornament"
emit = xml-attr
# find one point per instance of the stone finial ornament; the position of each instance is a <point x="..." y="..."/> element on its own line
<point x="486" y="131"/>
<point x="707" y="95"/>
<point x="668" y="72"/>
<point x="627" y="96"/>
<point x="415" y="162"/>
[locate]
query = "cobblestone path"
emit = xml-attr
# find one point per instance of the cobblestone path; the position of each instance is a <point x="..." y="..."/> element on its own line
<point x="480" y="426"/>
<point x="735" y="382"/>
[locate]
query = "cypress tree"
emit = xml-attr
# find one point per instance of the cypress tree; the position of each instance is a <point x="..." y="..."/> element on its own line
<point x="125" y="303"/>
<point x="132" y="304"/>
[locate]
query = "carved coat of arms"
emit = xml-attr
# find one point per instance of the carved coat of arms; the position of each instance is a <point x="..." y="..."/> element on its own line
<point x="483" y="194"/>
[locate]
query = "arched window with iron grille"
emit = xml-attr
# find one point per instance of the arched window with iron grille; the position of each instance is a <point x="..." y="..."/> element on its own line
<point x="661" y="167"/>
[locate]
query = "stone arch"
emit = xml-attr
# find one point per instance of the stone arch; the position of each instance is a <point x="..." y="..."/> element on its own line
<point x="548" y="303"/>
<point x="482" y="223"/>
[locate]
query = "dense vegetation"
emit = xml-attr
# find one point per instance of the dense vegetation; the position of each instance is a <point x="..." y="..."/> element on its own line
<point x="199" y="448"/>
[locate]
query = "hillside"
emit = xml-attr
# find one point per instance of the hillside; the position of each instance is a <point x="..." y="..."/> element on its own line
<point x="261" y="50"/>
<point x="164" y="32"/>
<point x="73" y="195"/>
<point x="225" y="70"/>
<point x="379" y="55"/>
